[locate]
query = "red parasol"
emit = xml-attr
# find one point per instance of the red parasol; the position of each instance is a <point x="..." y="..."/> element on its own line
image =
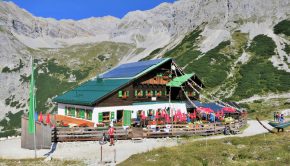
<point x="194" y="114"/>
<point x="40" y="117"/>
<point x="229" y="109"/>
<point x="167" y="119"/>
<point x="156" y="115"/>
<point x="205" y="110"/>
<point x="47" y="119"/>
<point x="163" y="113"/>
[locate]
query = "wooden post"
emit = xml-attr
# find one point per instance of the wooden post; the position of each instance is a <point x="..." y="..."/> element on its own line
<point x="101" y="154"/>
<point x="115" y="155"/>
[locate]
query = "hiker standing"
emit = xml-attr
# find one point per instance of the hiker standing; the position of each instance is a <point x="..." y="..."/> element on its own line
<point x="111" y="134"/>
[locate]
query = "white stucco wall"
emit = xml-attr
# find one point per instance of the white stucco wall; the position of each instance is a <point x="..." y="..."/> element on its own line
<point x="134" y="108"/>
<point x="61" y="109"/>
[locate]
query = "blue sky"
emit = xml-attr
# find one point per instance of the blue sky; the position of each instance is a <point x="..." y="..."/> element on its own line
<point x="79" y="9"/>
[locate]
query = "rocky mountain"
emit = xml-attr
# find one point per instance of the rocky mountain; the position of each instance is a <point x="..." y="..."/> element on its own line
<point x="240" y="48"/>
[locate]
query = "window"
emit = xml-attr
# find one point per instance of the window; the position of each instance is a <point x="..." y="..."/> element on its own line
<point x="81" y="113"/>
<point x="158" y="93"/>
<point x="89" y="114"/>
<point x="123" y="94"/>
<point x="139" y="93"/>
<point x="149" y="93"/>
<point x="71" y="111"/>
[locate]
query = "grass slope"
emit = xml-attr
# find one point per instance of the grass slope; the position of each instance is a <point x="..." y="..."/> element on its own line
<point x="259" y="76"/>
<point x="268" y="149"/>
<point x="283" y="27"/>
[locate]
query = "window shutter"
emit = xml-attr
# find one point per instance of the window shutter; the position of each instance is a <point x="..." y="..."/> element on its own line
<point x="65" y="110"/>
<point x="120" y="94"/>
<point x="100" y="117"/>
<point x="127" y="94"/>
<point x="160" y="93"/>
<point x="142" y="92"/>
<point x="112" y="115"/>
<point x="156" y="92"/>
<point x="136" y="93"/>
<point x="73" y="112"/>
<point x="151" y="92"/>
<point x="146" y="93"/>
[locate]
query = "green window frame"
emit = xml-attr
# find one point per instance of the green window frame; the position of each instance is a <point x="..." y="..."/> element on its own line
<point x="136" y="93"/>
<point x="120" y="93"/>
<point x="100" y="117"/>
<point x="112" y="115"/>
<point x="89" y="114"/>
<point x="81" y="113"/>
<point x="72" y="112"/>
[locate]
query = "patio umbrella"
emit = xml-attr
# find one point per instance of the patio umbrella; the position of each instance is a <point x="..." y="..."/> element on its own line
<point x="194" y="115"/>
<point x="163" y="113"/>
<point x="40" y="117"/>
<point x="228" y="109"/>
<point x="167" y="119"/>
<point x="157" y="115"/>
<point x="47" y="119"/>
<point x="204" y="110"/>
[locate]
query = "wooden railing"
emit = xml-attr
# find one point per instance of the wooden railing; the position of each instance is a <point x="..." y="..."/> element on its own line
<point x="65" y="134"/>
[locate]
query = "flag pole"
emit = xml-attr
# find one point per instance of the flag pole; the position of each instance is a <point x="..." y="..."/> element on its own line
<point x="34" y="103"/>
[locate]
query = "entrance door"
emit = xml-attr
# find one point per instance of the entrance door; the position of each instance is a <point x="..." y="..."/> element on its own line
<point x="127" y="118"/>
<point x="119" y="115"/>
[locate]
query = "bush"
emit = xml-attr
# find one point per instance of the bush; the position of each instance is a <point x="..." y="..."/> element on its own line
<point x="282" y="27"/>
<point x="263" y="45"/>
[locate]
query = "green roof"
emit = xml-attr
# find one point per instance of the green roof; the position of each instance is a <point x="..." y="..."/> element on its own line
<point x="178" y="81"/>
<point x="94" y="90"/>
<point x="91" y="91"/>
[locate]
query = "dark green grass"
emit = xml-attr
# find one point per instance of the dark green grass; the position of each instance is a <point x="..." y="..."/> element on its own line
<point x="287" y="48"/>
<point x="16" y="69"/>
<point x="188" y="43"/>
<point x="268" y="149"/>
<point x="213" y="66"/>
<point x="282" y="27"/>
<point x="259" y="76"/>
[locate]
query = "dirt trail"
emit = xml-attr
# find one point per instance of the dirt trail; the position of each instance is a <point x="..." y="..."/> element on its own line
<point x="90" y="151"/>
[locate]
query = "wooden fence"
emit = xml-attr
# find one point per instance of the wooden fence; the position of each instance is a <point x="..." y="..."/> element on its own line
<point x="65" y="134"/>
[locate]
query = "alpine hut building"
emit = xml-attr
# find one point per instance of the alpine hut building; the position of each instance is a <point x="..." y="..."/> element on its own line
<point x="122" y="93"/>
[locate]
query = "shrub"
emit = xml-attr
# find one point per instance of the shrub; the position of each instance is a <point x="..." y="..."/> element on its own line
<point x="282" y="27"/>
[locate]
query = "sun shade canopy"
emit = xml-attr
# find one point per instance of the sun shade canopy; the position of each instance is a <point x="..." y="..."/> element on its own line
<point x="178" y="81"/>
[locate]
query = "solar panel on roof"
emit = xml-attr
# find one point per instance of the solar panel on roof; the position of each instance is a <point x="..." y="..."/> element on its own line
<point x="130" y="69"/>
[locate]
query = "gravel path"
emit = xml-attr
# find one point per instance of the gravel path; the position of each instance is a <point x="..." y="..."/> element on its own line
<point x="90" y="151"/>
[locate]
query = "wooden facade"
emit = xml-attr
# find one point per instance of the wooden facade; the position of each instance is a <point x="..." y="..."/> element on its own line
<point x="150" y="87"/>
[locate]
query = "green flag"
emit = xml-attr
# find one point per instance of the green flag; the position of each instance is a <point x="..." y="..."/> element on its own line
<point x="32" y="103"/>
